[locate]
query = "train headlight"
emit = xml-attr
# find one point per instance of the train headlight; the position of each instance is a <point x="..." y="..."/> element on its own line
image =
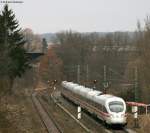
<point x="112" y="116"/>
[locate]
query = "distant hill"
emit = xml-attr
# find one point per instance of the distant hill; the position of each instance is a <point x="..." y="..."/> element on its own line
<point x="52" y="36"/>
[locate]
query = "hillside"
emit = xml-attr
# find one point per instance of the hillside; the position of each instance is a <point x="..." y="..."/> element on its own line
<point x="50" y="37"/>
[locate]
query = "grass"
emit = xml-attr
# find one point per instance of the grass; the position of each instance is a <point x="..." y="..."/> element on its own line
<point x="5" y="125"/>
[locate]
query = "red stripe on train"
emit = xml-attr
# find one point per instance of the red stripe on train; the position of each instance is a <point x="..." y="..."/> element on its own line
<point x="104" y="114"/>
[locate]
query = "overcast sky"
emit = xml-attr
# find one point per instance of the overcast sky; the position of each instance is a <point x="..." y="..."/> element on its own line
<point x="81" y="15"/>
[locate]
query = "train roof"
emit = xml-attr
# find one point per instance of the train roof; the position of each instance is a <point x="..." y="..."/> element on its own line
<point x="102" y="99"/>
<point x="89" y="93"/>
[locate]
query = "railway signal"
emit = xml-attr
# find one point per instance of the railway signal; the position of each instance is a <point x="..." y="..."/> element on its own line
<point x="54" y="83"/>
<point x="106" y="85"/>
<point x="95" y="81"/>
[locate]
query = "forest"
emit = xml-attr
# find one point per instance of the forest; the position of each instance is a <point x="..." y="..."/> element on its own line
<point x="119" y="59"/>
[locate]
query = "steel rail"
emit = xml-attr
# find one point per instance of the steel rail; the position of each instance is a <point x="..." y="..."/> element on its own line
<point x="49" y="123"/>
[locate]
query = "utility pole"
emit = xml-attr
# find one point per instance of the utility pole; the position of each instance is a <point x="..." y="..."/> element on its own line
<point x="136" y="84"/>
<point x="105" y="83"/>
<point x="104" y="73"/>
<point x="78" y="74"/>
<point x="95" y="81"/>
<point x="136" y="124"/>
<point x="87" y="73"/>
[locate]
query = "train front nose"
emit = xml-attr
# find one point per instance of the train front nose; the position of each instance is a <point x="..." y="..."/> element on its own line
<point x="117" y="112"/>
<point x="117" y="118"/>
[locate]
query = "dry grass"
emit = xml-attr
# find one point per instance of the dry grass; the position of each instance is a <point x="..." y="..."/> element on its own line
<point x="20" y="116"/>
<point x="144" y="121"/>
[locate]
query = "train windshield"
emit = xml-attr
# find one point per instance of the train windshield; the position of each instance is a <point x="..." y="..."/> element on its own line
<point x="116" y="106"/>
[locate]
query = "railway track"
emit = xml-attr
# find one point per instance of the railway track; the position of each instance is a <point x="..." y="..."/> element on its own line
<point x="92" y="125"/>
<point x="123" y="130"/>
<point x="116" y="131"/>
<point x="62" y="118"/>
<point x="46" y="119"/>
<point x="48" y="112"/>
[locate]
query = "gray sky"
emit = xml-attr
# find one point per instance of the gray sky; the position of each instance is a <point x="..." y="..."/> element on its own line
<point x="81" y="15"/>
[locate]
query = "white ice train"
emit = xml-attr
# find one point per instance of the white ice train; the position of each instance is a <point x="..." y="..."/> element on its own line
<point x="110" y="109"/>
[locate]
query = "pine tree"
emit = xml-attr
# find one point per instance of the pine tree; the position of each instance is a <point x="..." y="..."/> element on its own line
<point x="14" y="59"/>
